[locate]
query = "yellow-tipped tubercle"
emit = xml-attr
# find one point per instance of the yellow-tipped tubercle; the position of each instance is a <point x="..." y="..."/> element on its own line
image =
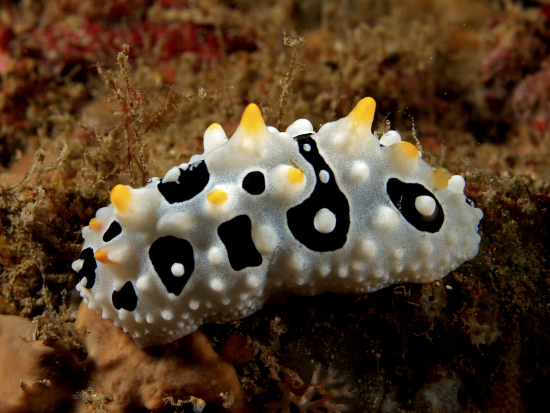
<point x="406" y="149"/>
<point x="441" y="178"/>
<point x="120" y="197"/>
<point x="101" y="256"/>
<point x="252" y="121"/>
<point x="295" y="176"/>
<point x="363" y="114"/>
<point x="217" y="197"/>
<point x="95" y="224"/>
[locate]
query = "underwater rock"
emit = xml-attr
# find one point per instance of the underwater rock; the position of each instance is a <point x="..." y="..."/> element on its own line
<point x="34" y="377"/>
<point x="116" y="375"/>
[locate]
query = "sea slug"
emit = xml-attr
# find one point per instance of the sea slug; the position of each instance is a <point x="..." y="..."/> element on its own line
<point x="336" y="210"/>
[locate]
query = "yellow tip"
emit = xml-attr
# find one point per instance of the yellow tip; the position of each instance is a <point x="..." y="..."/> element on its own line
<point x="95" y="225"/>
<point x="363" y="114"/>
<point x="295" y="176"/>
<point x="217" y="197"/>
<point x="101" y="256"/>
<point x="213" y="127"/>
<point x="120" y="197"/>
<point x="441" y="178"/>
<point x="405" y="150"/>
<point x="252" y="121"/>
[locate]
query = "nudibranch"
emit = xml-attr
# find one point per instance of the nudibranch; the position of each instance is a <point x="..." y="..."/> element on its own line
<point x="337" y="210"/>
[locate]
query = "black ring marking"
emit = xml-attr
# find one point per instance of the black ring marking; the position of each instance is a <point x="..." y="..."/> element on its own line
<point x="167" y="251"/>
<point x="403" y="196"/>
<point x="125" y="298"/>
<point x="114" y="230"/>
<point x="88" y="267"/>
<point x="191" y="183"/>
<point x="254" y="183"/>
<point x="325" y="195"/>
<point x="236" y="235"/>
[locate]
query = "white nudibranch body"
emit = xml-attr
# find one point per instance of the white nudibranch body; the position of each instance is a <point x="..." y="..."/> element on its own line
<point x="336" y="210"/>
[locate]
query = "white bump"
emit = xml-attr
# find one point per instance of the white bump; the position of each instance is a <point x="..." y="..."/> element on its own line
<point x="226" y="301"/>
<point x="138" y="318"/>
<point x="389" y="138"/>
<point x="387" y="219"/>
<point x="124" y="315"/>
<point x="177" y="269"/>
<point x="364" y="250"/>
<point x="300" y="127"/>
<point x="216" y="285"/>
<point x="86" y="302"/>
<point x="343" y="272"/>
<point x="456" y="184"/>
<point x="307" y="147"/>
<point x="150" y="318"/>
<point x="324" y="221"/>
<point x="478" y="213"/>
<point x="143" y="283"/>
<point x="425" y="204"/>
<point x="194" y="304"/>
<point x="215" y="255"/>
<point x="172" y="175"/>
<point x="264" y="238"/>
<point x="272" y="129"/>
<point x="425" y="250"/>
<point x="167" y="314"/>
<point x="360" y="171"/>
<point x="252" y="282"/>
<point x="180" y="324"/>
<point x="397" y="254"/>
<point x="323" y="271"/>
<point x="324" y="176"/>
<point x="77" y="265"/>
<point x="465" y="217"/>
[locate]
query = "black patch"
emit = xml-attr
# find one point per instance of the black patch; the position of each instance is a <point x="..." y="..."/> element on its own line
<point x="236" y="235"/>
<point x="167" y="251"/>
<point x="88" y="268"/>
<point x="300" y="218"/>
<point x="125" y="298"/>
<point x="254" y="183"/>
<point x="403" y="196"/>
<point x="191" y="183"/>
<point x="114" y="230"/>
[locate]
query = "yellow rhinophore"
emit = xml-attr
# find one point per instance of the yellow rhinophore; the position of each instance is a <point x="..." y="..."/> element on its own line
<point x="362" y="115"/>
<point x="217" y="197"/>
<point x="295" y="176"/>
<point x="101" y="256"/>
<point x="120" y="197"/>
<point x="95" y="224"/>
<point x="441" y="178"/>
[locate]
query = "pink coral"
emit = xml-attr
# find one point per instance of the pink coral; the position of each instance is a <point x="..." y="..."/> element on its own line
<point x="309" y="401"/>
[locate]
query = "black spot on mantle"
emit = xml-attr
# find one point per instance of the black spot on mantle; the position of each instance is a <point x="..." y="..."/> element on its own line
<point x="254" y="183"/>
<point x="236" y="235"/>
<point x="113" y="231"/>
<point x="191" y="183"/>
<point x="125" y="298"/>
<point x="88" y="267"/>
<point x="167" y="251"/>
<point x="325" y="195"/>
<point x="403" y="196"/>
